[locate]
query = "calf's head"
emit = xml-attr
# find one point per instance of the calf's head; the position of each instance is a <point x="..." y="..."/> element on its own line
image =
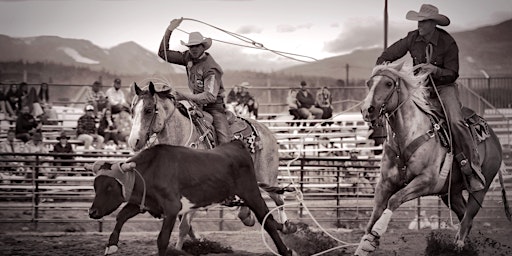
<point x="110" y="186"/>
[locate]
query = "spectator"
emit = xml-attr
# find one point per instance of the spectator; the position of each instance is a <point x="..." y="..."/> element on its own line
<point x="10" y="146"/>
<point x="4" y="103"/>
<point x="44" y="94"/>
<point x="123" y="122"/>
<point x="14" y="99"/>
<point x="307" y="109"/>
<point x="32" y="101"/>
<point x="293" y="104"/>
<point x="233" y="95"/>
<point x="107" y="127"/>
<point x="324" y="102"/>
<point x="49" y="116"/>
<point x="35" y="145"/>
<point x="86" y="129"/>
<point x="247" y="100"/>
<point x="26" y="125"/>
<point x="63" y="146"/>
<point x="96" y="97"/>
<point x="116" y="98"/>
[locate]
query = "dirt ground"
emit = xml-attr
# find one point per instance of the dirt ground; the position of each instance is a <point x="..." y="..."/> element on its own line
<point x="482" y="241"/>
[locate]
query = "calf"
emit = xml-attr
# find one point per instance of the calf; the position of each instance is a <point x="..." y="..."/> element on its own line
<point x="168" y="181"/>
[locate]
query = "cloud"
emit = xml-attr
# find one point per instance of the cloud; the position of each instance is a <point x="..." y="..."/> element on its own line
<point x="366" y="34"/>
<point x="289" y="28"/>
<point x="249" y="29"/>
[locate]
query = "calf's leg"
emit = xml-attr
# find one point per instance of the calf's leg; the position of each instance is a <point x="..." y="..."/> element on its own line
<point x="129" y="211"/>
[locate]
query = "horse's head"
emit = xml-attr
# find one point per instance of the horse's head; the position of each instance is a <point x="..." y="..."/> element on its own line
<point x="389" y="87"/>
<point x="150" y="111"/>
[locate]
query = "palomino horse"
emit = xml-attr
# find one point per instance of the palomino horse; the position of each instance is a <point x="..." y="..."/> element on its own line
<point x="413" y="155"/>
<point x="155" y="112"/>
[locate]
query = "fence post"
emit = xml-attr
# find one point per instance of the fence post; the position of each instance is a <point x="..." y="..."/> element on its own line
<point x="338" y="223"/>
<point x="221" y="216"/>
<point x="35" y="180"/>
<point x="418" y="213"/>
<point x="301" y="183"/>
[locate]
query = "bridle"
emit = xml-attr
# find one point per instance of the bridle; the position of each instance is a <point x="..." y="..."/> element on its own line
<point x="395" y="89"/>
<point x="149" y="131"/>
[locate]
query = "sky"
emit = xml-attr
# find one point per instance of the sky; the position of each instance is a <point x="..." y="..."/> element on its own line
<point x="312" y="29"/>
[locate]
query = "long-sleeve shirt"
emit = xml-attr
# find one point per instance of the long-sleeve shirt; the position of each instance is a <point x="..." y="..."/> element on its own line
<point x="305" y="99"/>
<point x="445" y="54"/>
<point x="86" y="125"/>
<point x="204" y="75"/>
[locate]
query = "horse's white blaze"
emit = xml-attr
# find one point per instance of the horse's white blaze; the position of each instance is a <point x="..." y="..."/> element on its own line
<point x="368" y="100"/>
<point x="136" y="125"/>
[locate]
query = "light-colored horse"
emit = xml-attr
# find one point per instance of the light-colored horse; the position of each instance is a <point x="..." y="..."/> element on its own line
<point x="413" y="155"/>
<point x="155" y="112"/>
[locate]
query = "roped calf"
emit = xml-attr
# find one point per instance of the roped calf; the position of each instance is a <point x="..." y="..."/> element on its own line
<point x="168" y="181"/>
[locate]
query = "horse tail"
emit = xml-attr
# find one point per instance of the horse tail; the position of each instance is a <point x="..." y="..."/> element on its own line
<point x="503" y="192"/>
<point x="275" y="189"/>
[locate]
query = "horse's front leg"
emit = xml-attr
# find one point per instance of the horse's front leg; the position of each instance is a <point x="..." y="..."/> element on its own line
<point x="128" y="212"/>
<point x="165" y="233"/>
<point x="370" y="242"/>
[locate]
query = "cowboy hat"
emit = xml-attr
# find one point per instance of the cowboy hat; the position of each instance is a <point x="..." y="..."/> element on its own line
<point x="245" y="85"/>
<point x="428" y="12"/>
<point x="196" y="38"/>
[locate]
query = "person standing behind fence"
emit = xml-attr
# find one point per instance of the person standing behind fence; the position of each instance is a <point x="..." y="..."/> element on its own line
<point x="116" y="98"/>
<point x="307" y="109"/>
<point x="248" y="100"/>
<point x="107" y="127"/>
<point x="86" y="129"/>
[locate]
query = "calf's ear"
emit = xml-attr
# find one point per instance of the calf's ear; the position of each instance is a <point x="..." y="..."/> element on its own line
<point x="94" y="167"/>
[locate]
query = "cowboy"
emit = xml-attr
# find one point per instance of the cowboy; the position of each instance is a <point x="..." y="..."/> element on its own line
<point x="204" y="77"/>
<point x="435" y="51"/>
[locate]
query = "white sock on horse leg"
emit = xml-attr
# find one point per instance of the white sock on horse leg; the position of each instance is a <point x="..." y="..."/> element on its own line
<point x="382" y="223"/>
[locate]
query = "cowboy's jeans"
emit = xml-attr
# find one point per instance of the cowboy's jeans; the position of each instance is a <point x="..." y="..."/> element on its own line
<point x="461" y="135"/>
<point x="220" y="122"/>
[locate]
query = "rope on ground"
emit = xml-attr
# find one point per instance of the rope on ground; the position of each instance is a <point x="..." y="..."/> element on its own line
<point x="300" y="199"/>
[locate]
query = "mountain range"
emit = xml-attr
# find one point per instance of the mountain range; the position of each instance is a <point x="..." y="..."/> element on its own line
<point x="482" y="50"/>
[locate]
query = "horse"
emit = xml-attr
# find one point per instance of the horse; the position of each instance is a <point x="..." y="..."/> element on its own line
<point x="156" y="112"/>
<point x="415" y="163"/>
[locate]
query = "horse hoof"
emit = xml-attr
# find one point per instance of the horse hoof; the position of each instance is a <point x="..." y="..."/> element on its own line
<point x="459" y="244"/>
<point x="111" y="249"/>
<point x="289" y="227"/>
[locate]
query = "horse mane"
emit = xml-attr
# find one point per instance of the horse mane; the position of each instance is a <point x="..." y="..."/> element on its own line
<point x="415" y="83"/>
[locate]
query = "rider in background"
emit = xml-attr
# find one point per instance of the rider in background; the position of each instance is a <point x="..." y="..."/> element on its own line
<point x="435" y="51"/>
<point x="204" y="77"/>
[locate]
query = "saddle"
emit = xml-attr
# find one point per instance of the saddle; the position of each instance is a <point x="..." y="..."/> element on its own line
<point x="241" y="128"/>
<point x="477" y="125"/>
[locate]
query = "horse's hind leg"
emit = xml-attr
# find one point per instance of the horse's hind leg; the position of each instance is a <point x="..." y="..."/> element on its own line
<point x="457" y="204"/>
<point x="128" y="212"/>
<point x="185" y="228"/>
<point x="472" y="209"/>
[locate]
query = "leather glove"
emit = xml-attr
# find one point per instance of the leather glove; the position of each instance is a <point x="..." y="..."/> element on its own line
<point x="174" y="24"/>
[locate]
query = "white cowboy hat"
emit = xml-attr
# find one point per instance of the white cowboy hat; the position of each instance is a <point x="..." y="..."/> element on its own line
<point x="196" y="38"/>
<point x="428" y="12"/>
<point x="245" y="85"/>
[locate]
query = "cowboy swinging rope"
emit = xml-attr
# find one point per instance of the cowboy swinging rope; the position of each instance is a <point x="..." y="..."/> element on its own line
<point x="299" y="195"/>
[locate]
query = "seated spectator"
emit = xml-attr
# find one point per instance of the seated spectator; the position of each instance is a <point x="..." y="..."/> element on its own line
<point x="96" y="97"/>
<point x="26" y="125"/>
<point x="86" y="129"/>
<point x="10" y="146"/>
<point x="50" y="116"/>
<point x="123" y="122"/>
<point x="293" y="105"/>
<point x="13" y="98"/>
<point x="63" y="146"/>
<point x="43" y="94"/>
<point x="306" y="100"/>
<point x="246" y="99"/>
<point x="324" y="102"/>
<point x="32" y="101"/>
<point x="107" y="127"/>
<point x="233" y="95"/>
<point x="116" y="98"/>
<point x="36" y="146"/>
<point x="5" y="107"/>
